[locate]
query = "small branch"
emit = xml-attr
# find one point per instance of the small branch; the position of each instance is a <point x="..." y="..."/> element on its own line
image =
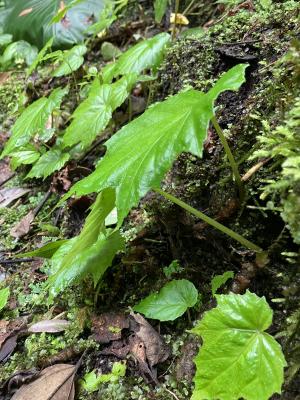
<point x="7" y="179"/>
<point x="17" y="261"/>
<point x="254" y="169"/>
<point x="175" y="22"/>
<point x="230" y="157"/>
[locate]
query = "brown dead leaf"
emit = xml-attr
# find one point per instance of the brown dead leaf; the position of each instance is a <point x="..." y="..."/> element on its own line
<point x="3" y="77"/>
<point x="18" y="379"/>
<point x="24" y="226"/>
<point x="25" y="12"/>
<point x="8" y="347"/>
<point x="49" y="326"/>
<point x="108" y="327"/>
<point x="53" y="383"/>
<point x="7" y="196"/>
<point x="156" y="349"/>
<point x="9" y="332"/>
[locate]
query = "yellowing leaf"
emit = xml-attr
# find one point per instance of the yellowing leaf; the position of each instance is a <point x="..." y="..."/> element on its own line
<point x="180" y="19"/>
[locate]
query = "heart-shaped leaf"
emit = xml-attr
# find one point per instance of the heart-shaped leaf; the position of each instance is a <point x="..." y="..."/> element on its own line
<point x="171" y="302"/>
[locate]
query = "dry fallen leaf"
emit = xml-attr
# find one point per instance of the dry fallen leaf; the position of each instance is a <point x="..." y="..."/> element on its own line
<point x="108" y="327"/>
<point x="25" y="12"/>
<point x="9" y="332"/>
<point x="3" y="77"/>
<point x="53" y="383"/>
<point x="23" y="227"/>
<point x="156" y="349"/>
<point x="49" y="326"/>
<point x="7" y="196"/>
<point x="18" y="379"/>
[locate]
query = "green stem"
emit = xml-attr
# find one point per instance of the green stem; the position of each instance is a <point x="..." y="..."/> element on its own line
<point x="239" y="238"/>
<point x="175" y="22"/>
<point x="231" y="160"/>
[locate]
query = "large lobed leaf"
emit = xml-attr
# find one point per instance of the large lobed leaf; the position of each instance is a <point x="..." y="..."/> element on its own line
<point x="94" y="113"/>
<point x="90" y="253"/>
<point x="33" y="120"/>
<point x="139" y="155"/>
<point x="171" y="302"/>
<point x="238" y="358"/>
<point x="31" y="20"/>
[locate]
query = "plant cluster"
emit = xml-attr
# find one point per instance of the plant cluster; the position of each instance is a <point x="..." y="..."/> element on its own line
<point x="137" y="158"/>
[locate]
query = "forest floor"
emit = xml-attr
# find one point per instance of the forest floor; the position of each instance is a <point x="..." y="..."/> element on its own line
<point x="159" y="234"/>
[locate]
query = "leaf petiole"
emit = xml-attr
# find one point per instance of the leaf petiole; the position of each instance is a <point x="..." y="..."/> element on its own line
<point x="231" y="159"/>
<point x="236" y="236"/>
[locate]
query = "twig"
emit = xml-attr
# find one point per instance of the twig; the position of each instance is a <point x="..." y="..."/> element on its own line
<point x="171" y="393"/>
<point x="17" y="261"/>
<point x="254" y="169"/>
<point x="42" y="203"/>
<point x="7" y="179"/>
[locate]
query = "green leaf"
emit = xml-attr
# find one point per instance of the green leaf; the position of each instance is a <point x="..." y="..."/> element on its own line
<point x="219" y="280"/>
<point x="46" y="251"/>
<point x="92" y="251"/>
<point x="160" y="7"/>
<point x="144" y="55"/>
<point x="238" y="359"/>
<point x="33" y="120"/>
<point x="19" y="50"/>
<point x="171" y="302"/>
<point x="52" y="160"/>
<point x="35" y="27"/>
<point x="24" y="157"/>
<point x="4" y="295"/>
<point x="5" y="39"/>
<point x="40" y="56"/>
<point x="72" y="60"/>
<point x="140" y="154"/>
<point x="231" y="80"/>
<point x="91" y="382"/>
<point x="94" y="113"/>
<point x="62" y="13"/>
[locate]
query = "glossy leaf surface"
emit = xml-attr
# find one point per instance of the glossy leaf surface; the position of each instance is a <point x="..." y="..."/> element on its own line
<point x="94" y="113"/>
<point x="147" y="54"/>
<point x="4" y="295"/>
<point x="171" y="302"/>
<point x="220" y="280"/>
<point x="140" y="154"/>
<point x="33" y="120"/>
<point x="238" y="358"/>
<point x="51" y="161"/>
<point x="160" y="7"/>
<point x="92" y="251"/>
<point x="72" y="60"/>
